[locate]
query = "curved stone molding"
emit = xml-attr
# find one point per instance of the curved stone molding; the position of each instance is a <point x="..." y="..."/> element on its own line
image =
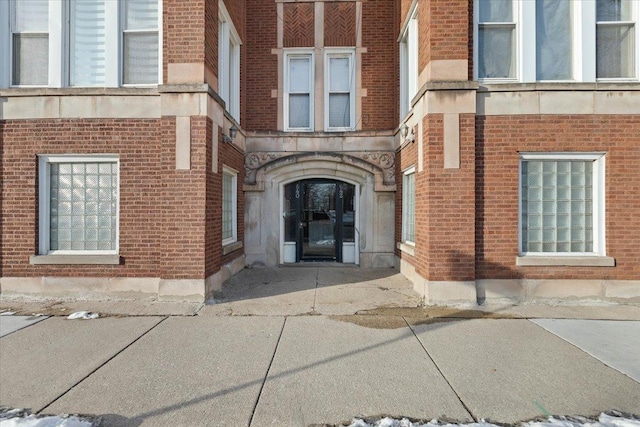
<point x="382" y="162"/>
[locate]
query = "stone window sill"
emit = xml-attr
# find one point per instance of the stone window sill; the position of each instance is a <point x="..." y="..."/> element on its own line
<point x="227" y="249"/>
<point x="408" y="248"/>
<point x="569" y="261"/>
<point x="75" y="259"/>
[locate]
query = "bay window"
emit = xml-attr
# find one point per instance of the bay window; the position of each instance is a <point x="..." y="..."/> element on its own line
<point x="552" y="40"/>
<point x="80" y="43"/>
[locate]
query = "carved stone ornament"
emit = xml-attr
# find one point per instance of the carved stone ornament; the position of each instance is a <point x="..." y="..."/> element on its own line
<point x="384" y="161"/>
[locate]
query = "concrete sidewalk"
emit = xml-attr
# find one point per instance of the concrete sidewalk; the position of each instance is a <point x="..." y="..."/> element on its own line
<point x="237" y="364"/>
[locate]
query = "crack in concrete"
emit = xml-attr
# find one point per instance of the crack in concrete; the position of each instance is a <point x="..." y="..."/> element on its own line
<point x="101" y="365"/>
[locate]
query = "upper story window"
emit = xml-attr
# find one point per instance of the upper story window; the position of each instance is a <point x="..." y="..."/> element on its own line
<point x="340" y="90"/>
<point x="615" y="39"/>
<point x="408" y="63"/>
<point x="551" y="40"/>
<point x="83" y="43"/>
<point x="298" y="100"/>
<point x="228" y="62"/>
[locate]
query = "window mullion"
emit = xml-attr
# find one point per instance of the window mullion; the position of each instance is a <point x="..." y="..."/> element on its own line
<point x="527" y="40"/>
<point x="585" y="41"/>
<point x="113" y="44"/>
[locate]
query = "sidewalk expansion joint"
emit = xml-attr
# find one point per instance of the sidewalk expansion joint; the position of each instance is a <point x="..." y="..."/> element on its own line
<point x="266" y="375"/>
<point x="61" y="395"/>
<point x="464" y="405"/>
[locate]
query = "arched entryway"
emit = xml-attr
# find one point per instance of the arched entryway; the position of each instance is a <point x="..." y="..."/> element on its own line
<point x="319" y="221"/>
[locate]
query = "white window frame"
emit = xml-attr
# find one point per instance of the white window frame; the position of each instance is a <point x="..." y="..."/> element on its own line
<point x="234" y="204"/>
<point x="60" y="45"/>
<point x="119" y="41"/>
<point x="598" y="199"/>
<point x="635" y="19"/>
<point x="405" y="197"/>
<point x="44" y="176"/>
<point x="229" y="43"/>
<point x="409" y="61"/>
<point x="350" y="55"/>
<point x="583" y="39"/>
<point x="299" y="53"/>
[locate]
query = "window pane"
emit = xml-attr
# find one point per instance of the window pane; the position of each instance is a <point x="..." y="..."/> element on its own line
<point x="227" y="206"/>
<point x="83" y="217"/>
<point x="339" y="110"/>
<point x="140" y="58"/>
<point x="556" y="219"/>
<point x="88" y="56"/>
<point x="408" y="213"/>
<point x="140" y="14"/>
<point x="496" y="10"/>
<point x="31" y="15"/>
<point x="299" y="111"/>
<point x="615" y="51"/>
<point x="496" y="47"/>
<point x="553" y="39"/>
<point x="30" y="59"/>
<point x="299" y="75"/>
<point x="339" y="73"/>
<point x="613" y="10"/>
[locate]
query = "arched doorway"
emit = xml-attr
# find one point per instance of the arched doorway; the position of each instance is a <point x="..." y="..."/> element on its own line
<point x="319" y="221"/>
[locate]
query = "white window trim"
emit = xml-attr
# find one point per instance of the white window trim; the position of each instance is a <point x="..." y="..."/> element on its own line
<point x="234" y="204"/>
<point x="118" y="40"/>
<point x="340" y="53"/>
<point x="292" y="53"/>
<point x="405" y="173"/>
<point x="44" y="189"/>
<point x="409" y="62"/>
<point x="60" y="44"/>
<point x="228" y="85"/>
<point x="598" y="210"/>
<point x="583" y="44"/>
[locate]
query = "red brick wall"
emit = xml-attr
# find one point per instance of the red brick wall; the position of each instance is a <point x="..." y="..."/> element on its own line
<point x="184" y="32"/>
<point x="211" y="37"/>
<point x="298" y="25"/>
<point x="161" y="209"/>
<point x="444" y="30"/>
<point x="405" y="158"/>
<point x="233" y="158"/>
<point x="340" y="24"/>
<point x="379" y="65"/>
<point x="500" y="138"/>
<point x="262" y="68"/>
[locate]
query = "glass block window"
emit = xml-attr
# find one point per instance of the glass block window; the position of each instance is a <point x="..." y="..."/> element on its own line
<point x="409" y="206"/>
<point x="229" y="209"/>
<point x="558" y="206"/>
<point x="83" y="206"/>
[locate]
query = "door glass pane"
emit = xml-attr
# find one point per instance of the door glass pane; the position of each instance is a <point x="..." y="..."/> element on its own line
<point x="319" y="211"/>
<point x="291" y="197"/>
<point x="348" y="212"/>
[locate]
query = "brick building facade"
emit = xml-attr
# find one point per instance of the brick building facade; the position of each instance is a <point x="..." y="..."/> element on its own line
<point x="485" y="148"/>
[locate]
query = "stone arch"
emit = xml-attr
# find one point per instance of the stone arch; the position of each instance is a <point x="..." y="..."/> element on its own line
<point x="357" y="165"/>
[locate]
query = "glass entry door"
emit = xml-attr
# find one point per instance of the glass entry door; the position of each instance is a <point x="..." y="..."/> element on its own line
<point x="319" y="217"/>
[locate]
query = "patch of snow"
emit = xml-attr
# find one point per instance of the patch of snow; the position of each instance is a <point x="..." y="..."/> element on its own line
<point x="604" y="420"/>
<point x="18" y="418"/>
<point x="7" y="313"/>
<point x="85" y="315"/>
